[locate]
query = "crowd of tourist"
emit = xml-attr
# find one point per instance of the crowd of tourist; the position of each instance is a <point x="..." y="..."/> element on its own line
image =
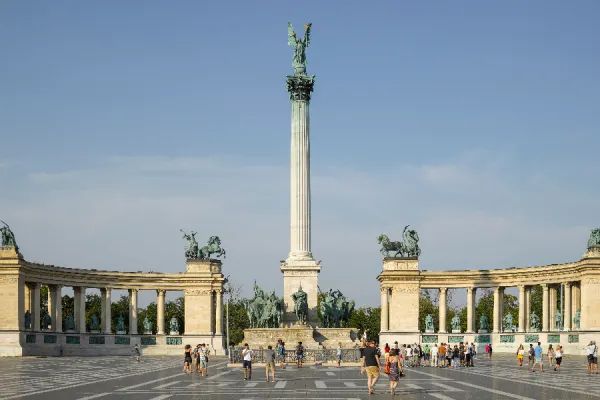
<point x="394" y="359"/>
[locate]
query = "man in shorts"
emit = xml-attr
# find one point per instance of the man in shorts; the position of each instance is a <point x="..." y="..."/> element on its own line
<point x="537" y="354"/>
<point x="247" y="362"/>
<point x="370" y="365"/>
<point x="269" y="363"/>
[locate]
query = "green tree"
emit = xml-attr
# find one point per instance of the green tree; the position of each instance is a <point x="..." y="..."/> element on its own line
<point x="93" y="306"/>
<point x="485" y="306"/>
<point x="427" y="306"/>
<point x="535" y="300"/>
<point x="238" y="321"/>
<point x="510" y="306"/>
<point x="175" y="309"/>
<point x="68" y="308"/>
<point x="366" y="319"/>
<point x="120" y="307"/>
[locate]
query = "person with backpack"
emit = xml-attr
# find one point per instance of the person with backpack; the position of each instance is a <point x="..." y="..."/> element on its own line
<point x="280" y="349"/>
<point x="531" y="355"/>
<point x="299" y="355"/>
<point x="247" y="361"/>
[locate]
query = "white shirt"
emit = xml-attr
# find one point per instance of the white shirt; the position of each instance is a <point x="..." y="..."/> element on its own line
<point x="408" y="352"/>
<point x="558" y="354"/>
<point x="434" y="351"/>
<point x="247" y="353"/>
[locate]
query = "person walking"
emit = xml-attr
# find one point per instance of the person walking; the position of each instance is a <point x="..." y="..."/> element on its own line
<point x="247" y="361"/>
<point x="531" y="355"/>
<point x="434" y="355"/>
<point x="395" y="370"/>
<point x="187" y="359"/>
<point x="558" y="355"/>
<point x="269" y="355"/>
<point x="202" y="360"/>
<point x="370" y="364"/>
<point x="299" y="355"/>
<point x="592" y="358"/>
<point x="538" y="357"/>
<point x="550" y="355"/>
<point x="137" y="352"/>
<point x="280" y="348"/>
<point x="520" y="355"/>
<point x="490" y="348"/>
<point x="386" y="351"/>
<point x="338" y="354"/>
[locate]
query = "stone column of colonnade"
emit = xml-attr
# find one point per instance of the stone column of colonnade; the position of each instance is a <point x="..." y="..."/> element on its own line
<point x="527" y="308"/>
<point x="442" y="309"/>
<point x="35" y="306"/>
<point x="133" y="301"/>
<point x="55" y="307"/>
<point x="106" y="317"/>
<point x="219" y="312"/>
<point x="160" y="312"/>
<point x="497" y="316"/>
<point x="545" y="312"/>
<point x="471" y="291"/>
<point x="567" y="306"/>
<point x="79" y="308"/>
<point x="522" y="305"/>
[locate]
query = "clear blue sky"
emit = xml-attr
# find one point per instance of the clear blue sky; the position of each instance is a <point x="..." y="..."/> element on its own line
<point x="475" y="122"/>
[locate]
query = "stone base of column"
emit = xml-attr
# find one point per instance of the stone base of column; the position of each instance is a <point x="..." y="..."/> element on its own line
<point x="296" y="274"/>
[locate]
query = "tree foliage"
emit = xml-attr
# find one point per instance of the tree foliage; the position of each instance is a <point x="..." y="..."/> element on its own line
<point x="366" y="319"/>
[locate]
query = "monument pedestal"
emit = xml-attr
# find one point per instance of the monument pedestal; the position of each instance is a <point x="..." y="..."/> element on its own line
<point x="310" y="337"/>
<point x="296" y="274"/>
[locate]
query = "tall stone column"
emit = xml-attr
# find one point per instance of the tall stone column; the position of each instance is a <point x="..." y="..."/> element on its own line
<point x="133" y="300"/>
<point x="58" y="313"/>
<point x="27" y="297"/>
<point x="300" y="270"/>
<point x="522" y="305"/>
<point x="219" y="313"/>
<point x="79" y="294"/>
<point x="497" y="324"/>
<point x="567" y="307"/>
<point x="527" y="308"/>
<point x="552" y="306"/>
<point x="470" y="309"/>
<point x="545" y="300"/>
<point x="106" y="294"/>
<point x="160" y="312"/>
<point x="442" y="309"/>
<point x="385" y="321"/>
<point x="55" y="307"/>
<point x="36" y="308"/>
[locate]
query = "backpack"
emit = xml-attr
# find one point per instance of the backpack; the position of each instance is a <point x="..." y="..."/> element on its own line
<point x="531" y="352"/>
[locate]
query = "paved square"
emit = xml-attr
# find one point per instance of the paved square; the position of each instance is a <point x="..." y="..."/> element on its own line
<point x="160" y="378"/>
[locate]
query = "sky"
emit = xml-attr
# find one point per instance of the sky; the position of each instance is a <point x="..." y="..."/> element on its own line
<point x="474" y="122"/>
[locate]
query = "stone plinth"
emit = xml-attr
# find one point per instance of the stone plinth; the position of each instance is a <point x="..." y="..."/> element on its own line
<point x="298" y="274"/>
<point x="310" y="337"/>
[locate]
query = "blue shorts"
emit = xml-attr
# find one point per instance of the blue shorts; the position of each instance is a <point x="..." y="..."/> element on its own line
<point x="247" y="364"/>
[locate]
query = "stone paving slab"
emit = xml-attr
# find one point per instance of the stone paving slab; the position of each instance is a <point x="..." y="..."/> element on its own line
<point x="161" y="378"/>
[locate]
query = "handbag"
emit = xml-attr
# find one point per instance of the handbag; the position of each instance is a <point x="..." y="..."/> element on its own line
<point x="388" y="368"/>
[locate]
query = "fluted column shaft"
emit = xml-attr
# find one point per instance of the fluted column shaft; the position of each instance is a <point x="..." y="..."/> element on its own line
<point x="384" y="310"/>
<point x="442" y="310"/>
<point x="497" y="323"/>
<point x="527" y="308"/>
<point x="79" y="308"/>
<point x="55" y="307"/>
<point x="567" y="306"/>
<point x="545" y="299"/>
<point x="219" y="313"/>
<point x="552" y="306"/>
<point x="133" y="300"/>
<point x="522" y="306"/>
<point x="470" y="309"/>
<point x="106" y="294"/>
<point x="300" y="181"/>
<point x="160" y="312"/>
<point x="36" y="309"/>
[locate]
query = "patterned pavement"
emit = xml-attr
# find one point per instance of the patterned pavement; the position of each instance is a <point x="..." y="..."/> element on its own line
<point x="160" y="378"/>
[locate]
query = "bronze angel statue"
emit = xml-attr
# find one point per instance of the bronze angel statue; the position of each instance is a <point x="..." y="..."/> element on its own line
<point x="299" y="46"/>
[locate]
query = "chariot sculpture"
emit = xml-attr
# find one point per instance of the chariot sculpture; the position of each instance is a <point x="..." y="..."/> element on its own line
<point x="7" y="236"/>
<point x="193" y="251"/>
<point x="408" y="247"/>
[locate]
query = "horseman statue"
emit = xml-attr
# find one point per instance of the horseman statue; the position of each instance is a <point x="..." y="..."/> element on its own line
<point x="193" y="251"/>
<point x="264" y="310"/>
<point x="301" y="305"/>
<point x="594" y="240"/>
<point x="335" y="309"/>
<point x="409" y="247"/>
